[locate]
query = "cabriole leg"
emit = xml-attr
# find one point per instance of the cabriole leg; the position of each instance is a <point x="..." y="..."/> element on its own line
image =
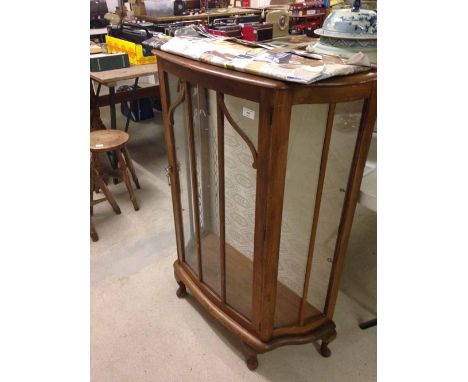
<point x="324" y="349"/>
<point x="182" y="290"/>
<point x="250" y="357"/>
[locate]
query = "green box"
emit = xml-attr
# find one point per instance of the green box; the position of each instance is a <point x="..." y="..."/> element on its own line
<point x="102" y="62"/>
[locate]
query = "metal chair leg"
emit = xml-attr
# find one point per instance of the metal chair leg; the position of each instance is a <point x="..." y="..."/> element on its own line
<point x="127" y="123"/>
<point x="368" y="324"/>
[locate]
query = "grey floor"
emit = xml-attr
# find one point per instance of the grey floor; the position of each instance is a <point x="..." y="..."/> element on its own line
<point x="141" y="332"/>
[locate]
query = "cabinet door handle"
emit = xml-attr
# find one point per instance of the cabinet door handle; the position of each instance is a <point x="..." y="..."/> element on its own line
<point x="168" y="171"/>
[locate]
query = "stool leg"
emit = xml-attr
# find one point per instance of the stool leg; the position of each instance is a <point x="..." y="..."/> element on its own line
<point x="123" y="170"/>
<point x="128" y="159"/>
<point x="110" y="198"/>
<point x="91" y="188"/>
<point x="94" y="235"/>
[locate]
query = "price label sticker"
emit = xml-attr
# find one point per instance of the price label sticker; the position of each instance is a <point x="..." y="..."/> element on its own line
<point x="248" y="113"/>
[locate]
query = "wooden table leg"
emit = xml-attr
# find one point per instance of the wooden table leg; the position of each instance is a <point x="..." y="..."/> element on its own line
<point x="113" y="117"/>
<point x="112" y="107"/>
<point x="94" y="97"/>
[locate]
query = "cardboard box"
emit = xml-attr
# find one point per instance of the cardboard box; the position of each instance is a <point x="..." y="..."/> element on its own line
<point x="134" y="51"/>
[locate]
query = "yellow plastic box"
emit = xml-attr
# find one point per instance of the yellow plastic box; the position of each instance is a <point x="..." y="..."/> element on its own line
<point x="134" y="51"/>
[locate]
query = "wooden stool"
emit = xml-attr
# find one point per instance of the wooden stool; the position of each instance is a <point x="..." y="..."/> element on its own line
<point x="104" y="141"/>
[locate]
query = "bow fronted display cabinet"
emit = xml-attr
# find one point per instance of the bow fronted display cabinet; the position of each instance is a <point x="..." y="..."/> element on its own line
<point x="265" y="177"/>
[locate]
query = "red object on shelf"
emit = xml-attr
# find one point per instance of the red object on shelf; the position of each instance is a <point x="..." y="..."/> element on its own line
<point x="225" y="30"/>
<point x="306" y="17"/>
<point x="246" y="3"/>
<point x="307" y="26"/>
<point x="307" y="8"/>
<point x="257" y="32"/>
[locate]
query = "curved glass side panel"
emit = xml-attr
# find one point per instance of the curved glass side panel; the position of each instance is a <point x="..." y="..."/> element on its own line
<point x="307" y="131"/>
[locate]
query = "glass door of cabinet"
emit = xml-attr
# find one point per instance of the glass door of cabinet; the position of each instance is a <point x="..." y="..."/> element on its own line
<point x="216" y="190"/>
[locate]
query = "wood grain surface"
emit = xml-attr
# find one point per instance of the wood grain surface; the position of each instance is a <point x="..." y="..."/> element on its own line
<point x="112" y="76"/>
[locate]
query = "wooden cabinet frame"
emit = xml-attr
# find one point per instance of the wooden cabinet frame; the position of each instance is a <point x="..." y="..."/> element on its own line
<point x="276" y="99"/>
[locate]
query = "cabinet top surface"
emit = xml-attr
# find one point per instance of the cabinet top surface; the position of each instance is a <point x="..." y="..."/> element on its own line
<point x="264" y="82"/>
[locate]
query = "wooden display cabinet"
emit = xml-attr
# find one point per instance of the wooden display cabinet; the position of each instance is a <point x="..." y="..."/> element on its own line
<point x="265" y="177"/>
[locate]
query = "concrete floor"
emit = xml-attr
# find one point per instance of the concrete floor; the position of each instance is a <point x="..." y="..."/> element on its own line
<point x="140" y="331"/>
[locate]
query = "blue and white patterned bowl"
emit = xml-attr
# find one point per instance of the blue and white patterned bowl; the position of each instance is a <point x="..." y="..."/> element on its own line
<point x="345" y="33"/>
<point x="346" y="24"/>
